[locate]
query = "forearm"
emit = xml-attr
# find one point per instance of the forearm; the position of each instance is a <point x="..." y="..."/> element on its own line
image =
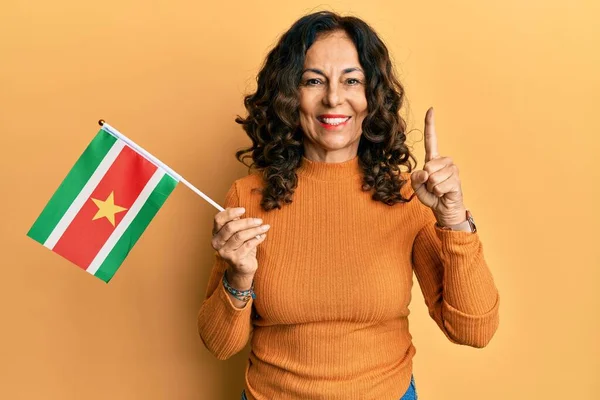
<point x="470" y="297"/>
<point x="224" y="327"/>
<point x="457" y="284"/>
<point x="468" y="284"/>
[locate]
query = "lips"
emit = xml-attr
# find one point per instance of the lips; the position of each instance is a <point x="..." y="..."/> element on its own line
<point x="332" y="121"/>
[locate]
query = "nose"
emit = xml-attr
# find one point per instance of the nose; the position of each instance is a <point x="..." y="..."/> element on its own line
<point x="333" y="95"/>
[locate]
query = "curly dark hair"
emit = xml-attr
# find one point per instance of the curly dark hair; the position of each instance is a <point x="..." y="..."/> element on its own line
<point x="273" y="113"/>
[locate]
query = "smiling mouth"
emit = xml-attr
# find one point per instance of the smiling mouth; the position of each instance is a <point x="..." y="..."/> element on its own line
<point x="328" y="122"/>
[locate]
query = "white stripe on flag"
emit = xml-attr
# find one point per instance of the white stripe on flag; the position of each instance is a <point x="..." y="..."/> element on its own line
<point x="84" y="195"/>
<point x="126" y="221"/>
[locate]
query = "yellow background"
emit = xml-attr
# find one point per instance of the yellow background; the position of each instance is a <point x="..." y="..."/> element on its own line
<point x="515" y="87"/>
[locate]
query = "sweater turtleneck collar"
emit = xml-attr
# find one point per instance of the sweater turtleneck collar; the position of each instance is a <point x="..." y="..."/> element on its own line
<point x="329" y="171"/>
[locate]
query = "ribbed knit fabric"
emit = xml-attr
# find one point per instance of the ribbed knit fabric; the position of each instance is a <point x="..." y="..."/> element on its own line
<point x="333" y="289"/>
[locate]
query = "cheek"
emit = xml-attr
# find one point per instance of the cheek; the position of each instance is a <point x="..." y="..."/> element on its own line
<point x="360" y="108"/>
<point x="307" y="102"/>
<point x="306" y="109"/>
<point x="359" y="103"/>
<point x="304" y="116"/>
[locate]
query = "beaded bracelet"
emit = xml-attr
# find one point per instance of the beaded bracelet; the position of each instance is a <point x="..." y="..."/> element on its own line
<point x="245" y="294"/>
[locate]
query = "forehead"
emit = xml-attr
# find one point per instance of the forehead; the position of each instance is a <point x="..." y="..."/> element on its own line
<point x="333" y="49"/>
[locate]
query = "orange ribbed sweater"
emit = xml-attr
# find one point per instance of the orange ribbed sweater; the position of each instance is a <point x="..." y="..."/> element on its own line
<point x="333" y="287"/>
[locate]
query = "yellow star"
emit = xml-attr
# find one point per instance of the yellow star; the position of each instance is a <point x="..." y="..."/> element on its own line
<point x="107" y="208"/>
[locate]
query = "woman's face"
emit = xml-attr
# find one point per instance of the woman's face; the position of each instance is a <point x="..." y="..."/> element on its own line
<point x="333" y="104"/>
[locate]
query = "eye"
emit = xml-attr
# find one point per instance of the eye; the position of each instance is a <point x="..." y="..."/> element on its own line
<point x="353" y="81"/>
<point x="312" y="82"/>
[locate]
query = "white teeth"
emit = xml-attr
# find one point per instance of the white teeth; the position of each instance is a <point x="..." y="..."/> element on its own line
<point x="335" y="121"/>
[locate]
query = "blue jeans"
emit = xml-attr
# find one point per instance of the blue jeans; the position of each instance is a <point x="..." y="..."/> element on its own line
<point x="410" y="394"/>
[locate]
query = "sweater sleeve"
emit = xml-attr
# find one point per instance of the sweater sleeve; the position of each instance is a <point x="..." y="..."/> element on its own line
<point x="223" y="328"/>
<point x="456" y="282"/>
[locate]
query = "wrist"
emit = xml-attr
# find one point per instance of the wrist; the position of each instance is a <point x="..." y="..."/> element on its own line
<point x="463" y="226"/>
<point x="466" y="224"/>
<point x="452" y="219"/>
<point x="239" y="282"/>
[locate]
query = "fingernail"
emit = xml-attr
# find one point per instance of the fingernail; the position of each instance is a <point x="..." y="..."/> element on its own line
<point x="241" y="210"/>
<point x="257" y="221"/>
<point x="265" y="227"/>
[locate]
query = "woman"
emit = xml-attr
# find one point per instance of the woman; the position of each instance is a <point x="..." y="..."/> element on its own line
<point x="324" y="294"/>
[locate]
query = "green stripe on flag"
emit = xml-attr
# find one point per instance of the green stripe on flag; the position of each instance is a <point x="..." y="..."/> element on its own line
<point x="117" y="255"/>
<point x="71" y="186"/>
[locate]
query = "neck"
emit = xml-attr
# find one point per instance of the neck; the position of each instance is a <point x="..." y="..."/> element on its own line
<point x="329" y="171"/>
<point x="320" y="154"/>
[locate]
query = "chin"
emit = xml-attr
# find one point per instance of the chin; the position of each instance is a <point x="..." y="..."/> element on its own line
<point x="334" y="146"/>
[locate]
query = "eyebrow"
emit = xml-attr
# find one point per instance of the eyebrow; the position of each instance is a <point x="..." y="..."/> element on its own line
<point x="346" y="71"/>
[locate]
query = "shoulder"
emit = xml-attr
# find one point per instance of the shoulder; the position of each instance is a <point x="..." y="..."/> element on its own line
<point x="244" y="190"/>
<point x="249" y="182"/>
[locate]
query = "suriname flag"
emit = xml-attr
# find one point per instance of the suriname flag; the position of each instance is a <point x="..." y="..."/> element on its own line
<point x="103" y="206"/>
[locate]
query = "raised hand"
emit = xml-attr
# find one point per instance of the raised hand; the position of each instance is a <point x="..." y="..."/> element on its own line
<point x="437" y="185"/>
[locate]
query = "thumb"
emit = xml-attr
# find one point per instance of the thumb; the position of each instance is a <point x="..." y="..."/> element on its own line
<point x="417" y="178"/>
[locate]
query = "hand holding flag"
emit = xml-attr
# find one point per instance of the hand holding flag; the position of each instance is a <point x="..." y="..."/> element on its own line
<point x="105" y="203"/>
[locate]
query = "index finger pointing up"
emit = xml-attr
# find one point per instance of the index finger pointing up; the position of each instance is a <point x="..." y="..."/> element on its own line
<point x="431" y="145"/>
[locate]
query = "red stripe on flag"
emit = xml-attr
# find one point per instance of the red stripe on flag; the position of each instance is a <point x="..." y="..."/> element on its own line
<point x="84" y="237"/>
